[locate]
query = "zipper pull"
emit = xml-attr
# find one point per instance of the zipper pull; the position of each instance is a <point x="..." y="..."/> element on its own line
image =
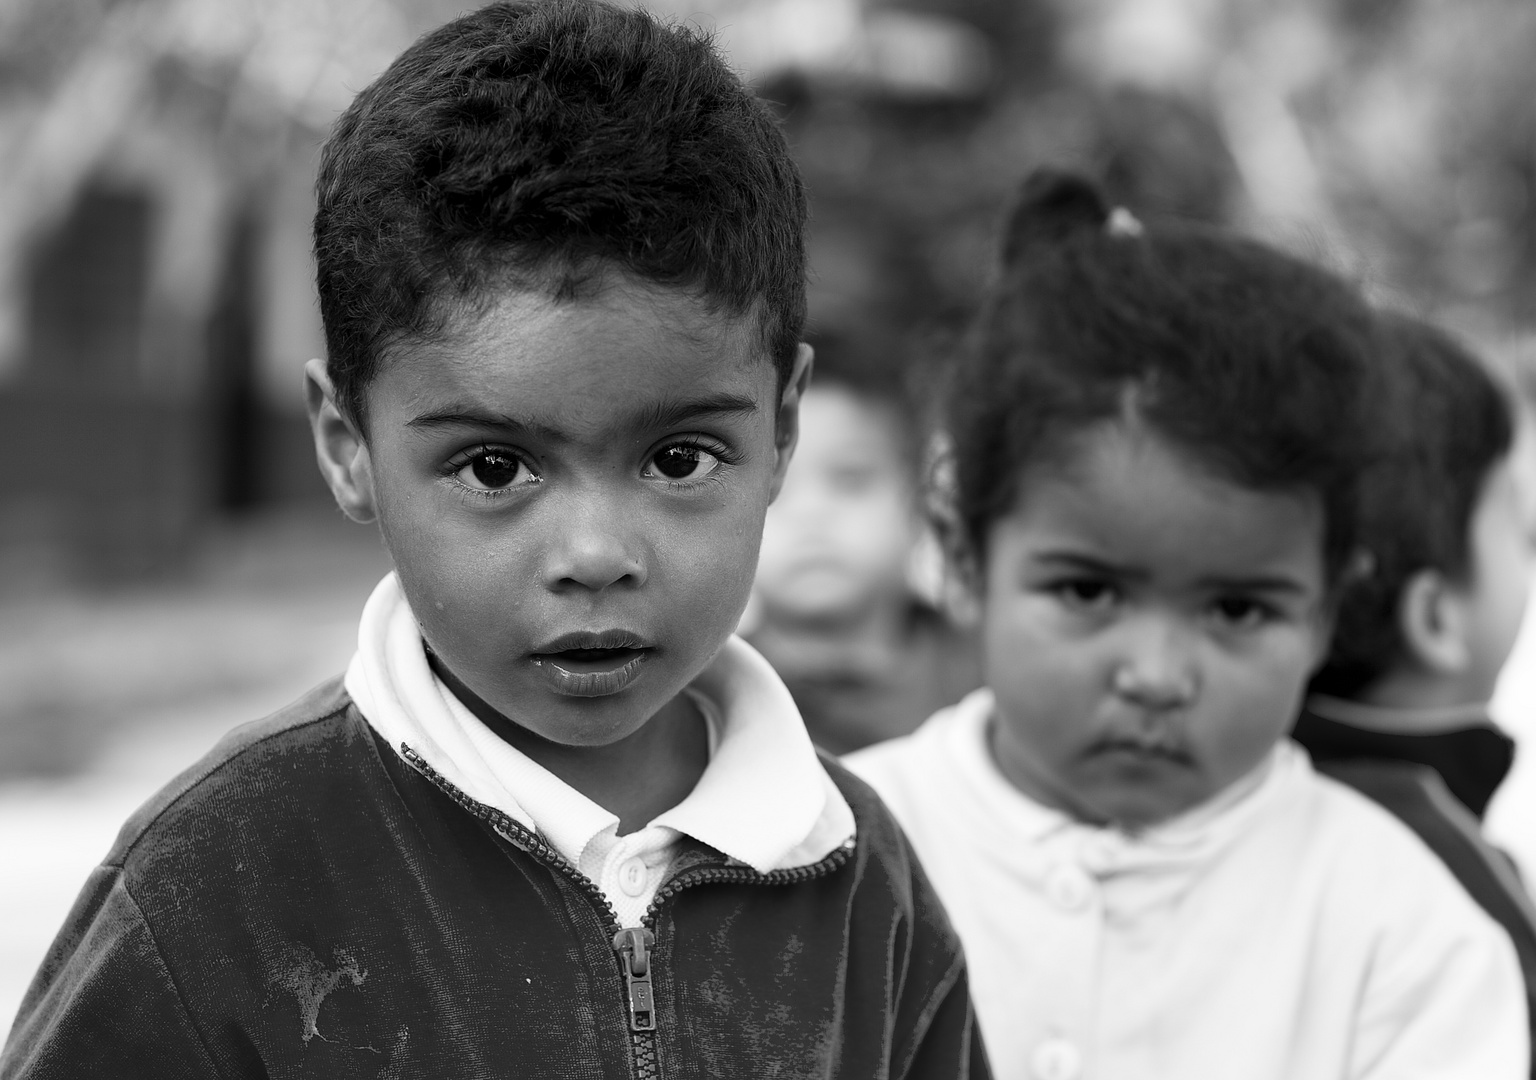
<point x="633" y="945"/>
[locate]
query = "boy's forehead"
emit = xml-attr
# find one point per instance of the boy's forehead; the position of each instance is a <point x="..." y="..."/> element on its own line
<point x="626" y="342"/>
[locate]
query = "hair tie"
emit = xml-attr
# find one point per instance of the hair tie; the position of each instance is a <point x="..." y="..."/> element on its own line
<point x="1121" y="222"/>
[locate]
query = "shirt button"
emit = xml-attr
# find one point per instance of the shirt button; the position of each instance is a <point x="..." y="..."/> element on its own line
<point x="1069" y="888"/>
<point x="633" y="876"/>
<point x="1056" y="1059"/>
<point x="1099" y="853"/>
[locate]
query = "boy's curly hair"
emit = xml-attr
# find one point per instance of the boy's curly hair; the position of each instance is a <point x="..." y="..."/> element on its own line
<point x="540" y="144"/>
<point x="1452" y="424"/>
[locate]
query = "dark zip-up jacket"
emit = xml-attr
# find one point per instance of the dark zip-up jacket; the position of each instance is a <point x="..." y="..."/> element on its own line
<point x="305" y="903"/>
<point x="1438" y="785"/>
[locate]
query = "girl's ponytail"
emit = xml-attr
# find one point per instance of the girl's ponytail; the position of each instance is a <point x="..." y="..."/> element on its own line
<point x="1052" y="206"/>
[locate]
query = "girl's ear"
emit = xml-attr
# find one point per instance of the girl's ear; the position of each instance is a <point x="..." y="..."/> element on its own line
<point x="1356" y="573"/>
<point x="787" y="422"/>
<point x="339" y="447"/>
<point x="1433" y="622"/>
<point x="962" y="581"/>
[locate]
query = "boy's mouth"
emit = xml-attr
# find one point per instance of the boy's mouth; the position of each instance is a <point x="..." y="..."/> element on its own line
<point x="592" y="664"/>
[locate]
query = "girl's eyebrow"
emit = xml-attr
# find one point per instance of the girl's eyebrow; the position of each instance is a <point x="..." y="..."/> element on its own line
<point x="660" y="414"/>
<point x="1077" y="560"/>
<point x="1265" y="583"/>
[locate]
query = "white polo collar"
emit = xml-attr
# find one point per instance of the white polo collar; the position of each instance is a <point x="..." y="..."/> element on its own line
<point x="764" y="799"/>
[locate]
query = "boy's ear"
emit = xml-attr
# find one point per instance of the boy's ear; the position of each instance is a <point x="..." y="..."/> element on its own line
<point x="1433" y="622"/>
<point x="787" y="425"/>
<point x="339" y="447"/>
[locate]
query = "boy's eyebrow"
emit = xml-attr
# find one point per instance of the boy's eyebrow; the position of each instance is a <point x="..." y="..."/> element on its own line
<point x="658" y="415"/>
<point x="1270" y="583"/>
<point x="472" y="416"/>
<point x="667" y="413"/>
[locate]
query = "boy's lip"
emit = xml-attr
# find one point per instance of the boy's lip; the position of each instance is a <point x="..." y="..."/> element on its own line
<point x="588" y="663"/>
<point x="592" y="639"/>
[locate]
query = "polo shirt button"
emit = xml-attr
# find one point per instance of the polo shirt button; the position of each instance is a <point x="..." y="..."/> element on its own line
<point x="633" y="876"/>
<point x="1069" y="888"/>
<point x="1056" y="1059"/>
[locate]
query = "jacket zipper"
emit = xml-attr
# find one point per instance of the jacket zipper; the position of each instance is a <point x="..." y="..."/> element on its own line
<point x="632" y="944"/>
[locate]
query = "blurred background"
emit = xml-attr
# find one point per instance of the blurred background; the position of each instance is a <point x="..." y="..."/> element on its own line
<point x="170" y="564"/>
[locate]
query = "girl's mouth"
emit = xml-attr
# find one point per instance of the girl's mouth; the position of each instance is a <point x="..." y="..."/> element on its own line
<point x="1148" y="753"/>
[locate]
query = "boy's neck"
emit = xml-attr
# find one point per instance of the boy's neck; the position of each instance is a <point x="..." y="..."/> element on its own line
<point x="637" y="778"/>
<point x="1406" y="703"/>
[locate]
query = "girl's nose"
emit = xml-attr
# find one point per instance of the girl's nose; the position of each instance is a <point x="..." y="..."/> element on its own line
<point x="1158" y="671"/>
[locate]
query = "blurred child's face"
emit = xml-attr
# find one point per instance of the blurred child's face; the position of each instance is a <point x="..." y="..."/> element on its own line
<point x="837" y="539"/>
<point x="573" y="495"/>
<point x="1503" y="523"/>
<point x="1148" y="627"/>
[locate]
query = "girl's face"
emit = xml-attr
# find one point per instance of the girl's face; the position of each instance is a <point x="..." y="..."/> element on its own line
<point x="1148" y="627"/>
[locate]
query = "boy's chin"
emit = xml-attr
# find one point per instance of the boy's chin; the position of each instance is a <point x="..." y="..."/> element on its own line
<point x="574" y="709"/>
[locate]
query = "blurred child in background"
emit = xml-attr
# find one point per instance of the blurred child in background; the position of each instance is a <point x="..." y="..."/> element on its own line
<point x="837" y="607"/>
<point x="1158" y="438"/>
<point x="1400" y="710"/>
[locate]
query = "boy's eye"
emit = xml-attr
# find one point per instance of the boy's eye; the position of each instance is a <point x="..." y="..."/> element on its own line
<point x="683" y="461"/>
<point x="494" y="468"/>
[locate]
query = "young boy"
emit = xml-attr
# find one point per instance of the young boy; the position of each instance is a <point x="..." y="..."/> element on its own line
<point x="1399" y="710"/>
<point x="836" y="613"/>
<point x="554" y="821"/>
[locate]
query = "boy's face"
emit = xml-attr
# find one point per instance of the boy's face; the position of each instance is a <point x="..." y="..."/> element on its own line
<point x="1148" y="628"/>
<point x="1500" y="545"/>
<point x="573" y="495"/>
<point x="837" y="539"/>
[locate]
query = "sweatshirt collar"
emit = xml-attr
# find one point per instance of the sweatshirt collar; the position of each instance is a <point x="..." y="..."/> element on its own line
<point x="764" y="799"/>
<point x="1463" y="745"/>
<point x="1397" y="720"/>
<point x="1191" y="836"/>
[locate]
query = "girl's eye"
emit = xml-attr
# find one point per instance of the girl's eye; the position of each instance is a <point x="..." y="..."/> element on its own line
<point x="493" y="468"/>
<point x="683" y="461"/>
<point x="1240" y="612"/>
<point x="1086" y="593"/>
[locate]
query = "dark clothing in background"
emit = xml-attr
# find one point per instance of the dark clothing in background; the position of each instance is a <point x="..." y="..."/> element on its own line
<point x="848" y="708"/>
<point x="1472" y="761"/>
<point x="1438" y="785"/>
<point x="303" y="902"/>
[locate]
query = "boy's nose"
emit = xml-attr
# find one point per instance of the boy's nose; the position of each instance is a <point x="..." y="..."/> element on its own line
<point x="593" y="553"/>
<point x="1158" y="670"/>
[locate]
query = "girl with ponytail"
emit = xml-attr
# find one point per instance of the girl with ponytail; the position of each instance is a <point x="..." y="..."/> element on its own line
<point x="1157" y="434"/>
